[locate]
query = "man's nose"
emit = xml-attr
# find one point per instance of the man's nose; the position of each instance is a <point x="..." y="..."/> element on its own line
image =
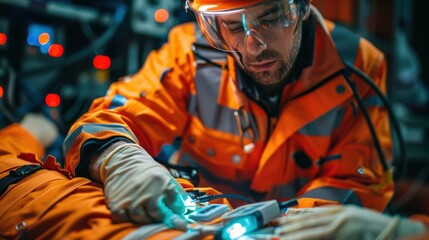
<point x="254" y="42"/>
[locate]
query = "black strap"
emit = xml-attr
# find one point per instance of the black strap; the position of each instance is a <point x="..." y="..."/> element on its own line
<point x="16" y="175"/>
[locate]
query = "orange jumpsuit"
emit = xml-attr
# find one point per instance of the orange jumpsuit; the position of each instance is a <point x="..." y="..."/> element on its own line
<point x="48" y="204"/>
<point x="314" y="144"/>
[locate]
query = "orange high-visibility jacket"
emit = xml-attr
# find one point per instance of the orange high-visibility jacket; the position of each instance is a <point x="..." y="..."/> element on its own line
<point x="317" y="148"/>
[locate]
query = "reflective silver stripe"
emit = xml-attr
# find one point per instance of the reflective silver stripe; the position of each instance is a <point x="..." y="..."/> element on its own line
<point x="210" y="53"/>
<point x="91" y="129"/>
<point x="289" y="190"/>
<point x="222" y="118"/>
<point x="192" y="107"/>
<point x="346" y="42"/>
<point x="324" y="125"/>
<point x="204" y="104"/>
<point x="118" y="101"/>
<point x="204" y="48"/>
<point x="341" y="195"/>
<point x="207" y="82"/>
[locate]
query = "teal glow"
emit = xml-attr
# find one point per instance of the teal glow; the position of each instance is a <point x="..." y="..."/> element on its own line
<point x="239" y="227"/>
<point x="189" y="204"/>
<point x="168" y="214"/>
<point x="236" y="230"/>
<point x="244" y="21"/>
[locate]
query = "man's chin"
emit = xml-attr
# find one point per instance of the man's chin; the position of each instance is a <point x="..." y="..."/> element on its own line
<point x="266" y="78"/>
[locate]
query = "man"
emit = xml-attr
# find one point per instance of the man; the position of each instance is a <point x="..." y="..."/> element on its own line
<point x="272" y="118"/>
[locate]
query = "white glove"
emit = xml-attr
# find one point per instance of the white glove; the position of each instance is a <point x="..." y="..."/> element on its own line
<point x="138" y="189"/>
<point x="347" y="222"/>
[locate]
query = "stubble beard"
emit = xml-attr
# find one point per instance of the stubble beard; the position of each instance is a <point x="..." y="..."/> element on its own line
<point x="276" y="77"/>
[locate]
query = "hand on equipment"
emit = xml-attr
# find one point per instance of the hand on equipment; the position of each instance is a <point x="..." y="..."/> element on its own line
<point x="347" y="222"/>
<point x="139" y="189"/>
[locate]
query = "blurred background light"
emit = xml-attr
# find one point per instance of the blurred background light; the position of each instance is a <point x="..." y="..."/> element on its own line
<point x="161" y="15"/>
<point x="3" y="38"/>
<point x="52" y="100"/>
<point x="101" y="62"/>
<point x="56" y="50"/>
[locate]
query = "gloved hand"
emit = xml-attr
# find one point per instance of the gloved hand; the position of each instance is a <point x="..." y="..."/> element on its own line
<point x="347" y="222"/>
<point x="138" y="189"/>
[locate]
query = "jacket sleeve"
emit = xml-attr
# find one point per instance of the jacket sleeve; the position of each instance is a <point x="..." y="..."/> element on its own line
<point x="148" y="108"/>
<point x="352" y="173"/>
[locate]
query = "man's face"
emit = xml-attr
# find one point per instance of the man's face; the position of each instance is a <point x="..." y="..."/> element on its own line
<point x="274" y="63"/>
<point x="268" y="49"/>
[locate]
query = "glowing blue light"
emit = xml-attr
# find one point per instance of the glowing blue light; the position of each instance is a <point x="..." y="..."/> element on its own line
<point x="44" y="48"/>
<point x="236" y="230"/>
<point x="239" y="227"/>
<point x="32" y="39"/>
<point x="189" y="203"/>
<point x="34" y="31"/>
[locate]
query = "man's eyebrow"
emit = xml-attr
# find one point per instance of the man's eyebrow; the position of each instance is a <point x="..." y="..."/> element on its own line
<point x="269" y="11"/>
<point x="231" y="22"/>
<point x="266" y="13"/>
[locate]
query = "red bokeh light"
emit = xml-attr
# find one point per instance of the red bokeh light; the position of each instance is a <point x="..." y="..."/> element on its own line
<point x="52" y="100"/>
<point x="56" y="50"/>
<point x="101" y="62"/>
<point x="3" y="38"/>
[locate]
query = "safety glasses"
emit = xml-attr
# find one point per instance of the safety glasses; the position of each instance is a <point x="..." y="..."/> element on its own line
<point x="258" y="25"/>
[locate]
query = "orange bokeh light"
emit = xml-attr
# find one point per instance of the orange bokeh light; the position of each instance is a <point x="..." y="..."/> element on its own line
<point x="1" y="91"/>
<point x="44" y="38"/>
<point x="161" y="15"/>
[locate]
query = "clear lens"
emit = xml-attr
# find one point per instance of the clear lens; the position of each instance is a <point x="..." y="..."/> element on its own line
<point x="258" y="25"/>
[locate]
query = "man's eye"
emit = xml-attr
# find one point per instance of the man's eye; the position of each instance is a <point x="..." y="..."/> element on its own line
<point x="270" y="19"/>
<point x="235" y="28"/>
